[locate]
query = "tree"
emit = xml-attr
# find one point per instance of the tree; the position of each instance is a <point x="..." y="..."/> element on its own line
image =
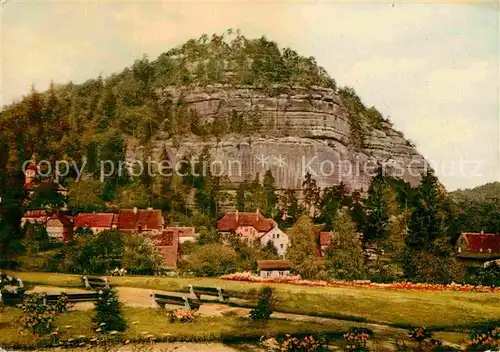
<point x="303" y="246"/>
<point x="269" y="186"/>
<point x="47" y="196"/>
<point x="311" y="194"/>
<point x="212" y="260"/>
<point x="133" y="195"/>
<point x="35" y="238"/>
<point x="345" y="257"/>
<point x="377" y="209"/>
<point x="140" y="256"/>
<point x="426" y="240"/>
<point x="85" y="196"/>
<point x="332" y="199"/>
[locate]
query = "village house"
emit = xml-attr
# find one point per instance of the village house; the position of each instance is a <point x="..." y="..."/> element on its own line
<point x="182" y="232"/>
<point x="97" y="222"/>
<point x="253" y="227"/>
<point x="325" y="241"/>
<point x="34" y="217"/>
<point x="143" y="221"/>
<point x="477" y="248"/>
<point x="273" y="268"/>
<point x="60" y="228"/>
<point x="167" y="243"/>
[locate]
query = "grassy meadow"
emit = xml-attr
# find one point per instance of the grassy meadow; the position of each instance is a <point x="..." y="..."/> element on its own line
<point x="444" y="311"/>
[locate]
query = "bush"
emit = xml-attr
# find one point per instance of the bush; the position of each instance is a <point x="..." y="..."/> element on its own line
<point x="212" y="260"/>
<point x="304" y="344"/>
<point x="180" y="316"/>
<point x="39" y="318"/>
<point x="108" y="314"/>
<point x="356" y="339"/>
<point x="429" y="267"/>
<point x="484" y="339"/>
<point x="489" y="276"/>
<point x="264" y="307"/>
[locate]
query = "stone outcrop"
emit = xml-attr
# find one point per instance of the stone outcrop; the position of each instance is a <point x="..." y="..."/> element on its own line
<point x="302" y="130"/>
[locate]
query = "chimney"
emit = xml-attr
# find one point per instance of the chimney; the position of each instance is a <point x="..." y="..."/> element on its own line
<point x="237" y="216"/>
<point x="135" y="210"/>
<point x="482" y="232"/>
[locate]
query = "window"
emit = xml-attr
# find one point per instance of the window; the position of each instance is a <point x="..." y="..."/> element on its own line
<point x="282" y="245"/>
<point x="277" y="235"/>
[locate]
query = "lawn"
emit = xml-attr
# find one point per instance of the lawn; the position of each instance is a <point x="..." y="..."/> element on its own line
<point x="147" y="324"/>
<point x="399" y="308"/>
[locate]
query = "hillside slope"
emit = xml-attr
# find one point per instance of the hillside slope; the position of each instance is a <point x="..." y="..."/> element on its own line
<point x="245" y="101"/>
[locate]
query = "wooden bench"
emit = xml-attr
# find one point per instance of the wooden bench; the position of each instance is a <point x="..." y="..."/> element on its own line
<point x="197" y="291"/>
<point x="162" y="300"/>
<point x="95" y="282"/>
<point x="72" y="297"/>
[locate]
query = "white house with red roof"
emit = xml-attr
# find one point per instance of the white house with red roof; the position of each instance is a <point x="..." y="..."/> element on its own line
<point x="254" y="227"/>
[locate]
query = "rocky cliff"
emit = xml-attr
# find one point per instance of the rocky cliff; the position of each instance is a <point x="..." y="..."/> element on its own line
<point x="302" y="130"/>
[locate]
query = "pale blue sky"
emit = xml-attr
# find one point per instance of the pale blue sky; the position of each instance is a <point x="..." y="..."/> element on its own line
<point x="433" y="68"/>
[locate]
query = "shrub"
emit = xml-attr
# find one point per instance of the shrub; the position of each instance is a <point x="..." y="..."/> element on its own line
<point x="419" y="334"/>
<point x="108" y="314"/>
<point x="489" y="276"/>
<point x="482" y="339"/>
<point x="304" y="344"/>
<point x="180" y="316"/>
<point x="212" y="260"/>
<point x="264" y="307"/>
<point x="39" y="317"/>
<point x="356" y="339"/>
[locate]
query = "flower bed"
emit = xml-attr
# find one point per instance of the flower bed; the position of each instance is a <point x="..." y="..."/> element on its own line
<point x="296" y="280"/>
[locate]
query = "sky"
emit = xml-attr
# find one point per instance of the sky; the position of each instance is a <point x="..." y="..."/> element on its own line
<point x="432" y="68"/>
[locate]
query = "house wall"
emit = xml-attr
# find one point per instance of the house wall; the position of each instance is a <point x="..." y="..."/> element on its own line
<point x="248" y="232"/>
<point x="55" y="229"/>
<point x="274" y="273"/>
<point x="279" y="239"/>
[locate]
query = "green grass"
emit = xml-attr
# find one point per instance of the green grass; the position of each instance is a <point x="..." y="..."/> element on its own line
<point x="398" y="308"/>
<point x="144" y="323"/>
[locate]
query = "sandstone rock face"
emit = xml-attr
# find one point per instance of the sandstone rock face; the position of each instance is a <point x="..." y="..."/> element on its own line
<point x="303" y="130"/>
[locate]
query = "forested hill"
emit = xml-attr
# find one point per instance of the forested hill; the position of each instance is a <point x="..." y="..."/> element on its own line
<point x="479" y="208"/>
<point x="73" y="120"/>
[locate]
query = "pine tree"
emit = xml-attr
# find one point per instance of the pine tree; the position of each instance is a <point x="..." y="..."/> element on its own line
<point x="377" y="209"/>
<point x="269" y="186"/>
<point x="311" y="194"/>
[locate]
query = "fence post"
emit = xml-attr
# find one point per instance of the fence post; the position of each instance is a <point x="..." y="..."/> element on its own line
<point x="221" y="297"/>
<point x="187" y="306"/>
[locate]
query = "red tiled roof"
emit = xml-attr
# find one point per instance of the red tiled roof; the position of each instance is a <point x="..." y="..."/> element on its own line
<point x="103" y="220"/>
<point x="143" y="219"/>
<point x="232" y="220"/>
<point x="182" y="231"/>
<point x="273" y="265"/>
<point x="479" y="242"/>
<point x="168" y="245"/>
<point x="32" y="214"/>
<point x="65" y="221"/>
<point x="325" y="238"/>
